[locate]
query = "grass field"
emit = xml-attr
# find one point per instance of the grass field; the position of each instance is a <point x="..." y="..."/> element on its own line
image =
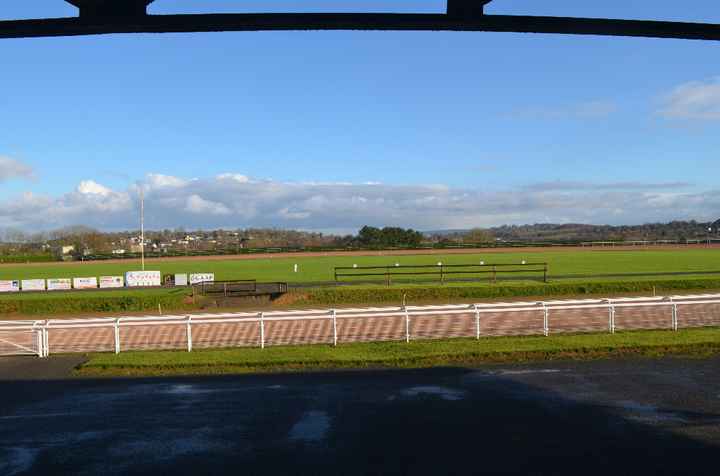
<point x="320" y="269"/>
<point x="691" y="342"/>
<point x="584" y="273"/>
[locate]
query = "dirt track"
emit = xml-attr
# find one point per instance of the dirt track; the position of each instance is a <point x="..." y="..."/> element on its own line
<point x="314" y="254"/>
<point x="358" y="326"/>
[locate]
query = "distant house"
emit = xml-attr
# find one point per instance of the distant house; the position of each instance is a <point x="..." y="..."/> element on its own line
<point x="63" y="252"/>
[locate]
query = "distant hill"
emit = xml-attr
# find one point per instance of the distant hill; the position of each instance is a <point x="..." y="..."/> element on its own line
<point x="676" y="230"/>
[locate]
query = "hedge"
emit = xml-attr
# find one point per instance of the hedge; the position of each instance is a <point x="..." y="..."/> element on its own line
<point x="75" y="304"/>
<point x="336" y="296"/>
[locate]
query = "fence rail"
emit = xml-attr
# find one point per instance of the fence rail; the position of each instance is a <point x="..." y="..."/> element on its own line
<point x="335" y="326"/>
<point x="442" y="271"/>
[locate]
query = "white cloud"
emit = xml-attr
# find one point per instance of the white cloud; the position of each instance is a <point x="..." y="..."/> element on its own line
<point x="561" y="185"/>
<point x="161" y="181"/>
<point x="226" y="202"/>
<point x="90" y="187"/>
<point x="236" y="177"/>
<point x="11" y="169"/>
<point x="198" y="205"/>
<point x="696" y="100"/>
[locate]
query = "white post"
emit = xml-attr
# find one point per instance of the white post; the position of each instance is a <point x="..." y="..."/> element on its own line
<point x="262" y="330"/>
<point x="334" y="319"/>
<point x="477" y="321"/>
<point x="611" y="317"/>
<point x="407" y="324"/>
<point x="189" y="333"/>
<point x="117" y="336"/>
<point x="674" y="315"/>
<point x="39" y="335"/>
<point x="546" y="322"/>
<point x="46" y="340"/>
<point x="142" y="227"/>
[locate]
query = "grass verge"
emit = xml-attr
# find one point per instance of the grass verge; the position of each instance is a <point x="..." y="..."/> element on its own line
<point x="95" y="302"/>
<point x="421" y="354"/>
<point x="427" y="294"/>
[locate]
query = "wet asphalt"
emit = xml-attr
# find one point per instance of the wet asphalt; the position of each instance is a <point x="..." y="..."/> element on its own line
<point x="606" y="417"/>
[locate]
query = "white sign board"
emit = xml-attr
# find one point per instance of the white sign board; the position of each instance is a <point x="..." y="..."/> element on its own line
<point x="33" y="285"/>
<point x="9" y="286"/>
<point x="202" y="278"/>
<point x="107" y="282"/>
<point x="85" y="283"/>
<point x="62" y="284"/>
<point x="134" y="279"/>
<point x="181" y="280"/>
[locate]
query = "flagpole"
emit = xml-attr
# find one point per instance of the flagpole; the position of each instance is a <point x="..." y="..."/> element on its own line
<point x="142" y="227"/>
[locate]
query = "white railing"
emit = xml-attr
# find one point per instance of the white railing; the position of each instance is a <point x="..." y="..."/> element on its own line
<point x="335" y="326"/>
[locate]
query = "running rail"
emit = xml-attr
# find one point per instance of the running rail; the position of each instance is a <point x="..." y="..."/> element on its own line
<point x="331" y="326"/>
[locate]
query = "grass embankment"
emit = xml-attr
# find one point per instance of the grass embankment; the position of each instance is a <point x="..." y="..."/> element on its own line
<point x="436" y="294"/>
<point x="422" y="354"/>
<point x="58" y="303"/>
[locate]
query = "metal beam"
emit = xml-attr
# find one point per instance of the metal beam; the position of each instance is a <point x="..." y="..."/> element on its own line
<point x="358" y="21"/>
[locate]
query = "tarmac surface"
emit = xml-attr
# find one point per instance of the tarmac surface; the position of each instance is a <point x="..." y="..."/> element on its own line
<point x="605" y="417"/>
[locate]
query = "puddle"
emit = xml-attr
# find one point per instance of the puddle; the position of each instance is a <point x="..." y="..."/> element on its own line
<point x="163" y="447"/>
<point x="503" y="373"/>
<point x="444" y="393"/>
<point x="312" y="427"/>
<point x="185" y="389"/>
<point x="528" y="372"/>
<point x="649" y="413"/>
<point x="17" y="460"/>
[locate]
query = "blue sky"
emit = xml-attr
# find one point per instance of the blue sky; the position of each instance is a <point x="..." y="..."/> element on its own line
<point x="430" y="130"/>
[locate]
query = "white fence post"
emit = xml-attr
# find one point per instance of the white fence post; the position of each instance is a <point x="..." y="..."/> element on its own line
<point x="334" y="320"/>
<point x="477" y="321"/>
<point x="546" y="320"/>
<point x="39" y="338"/>
<point x="46" y="340"/>
<point x="407" y="324"/>
<point x="262" y="330"/>
<point x="117" y="336"/>
<point x="189" y="333"/>
<point x="674" y="315"/>
<point x="611" y="317"/>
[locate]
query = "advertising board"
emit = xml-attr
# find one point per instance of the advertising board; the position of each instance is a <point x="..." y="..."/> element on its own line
<point x="181" y="280"/>
<point x="9" y="286"/>
<point x="202" y="278"/>
<point x="107" y="282"/>
<point x="33" y="285"/>
<point x="62" y="284"/>
<point x="85" y="283"/>
<point x="134" y="279"/>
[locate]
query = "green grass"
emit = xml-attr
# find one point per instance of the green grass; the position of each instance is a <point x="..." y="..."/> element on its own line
<point x="691" y="342"/>
<point x="321" y="268"/>
<point x="50" y="304"/>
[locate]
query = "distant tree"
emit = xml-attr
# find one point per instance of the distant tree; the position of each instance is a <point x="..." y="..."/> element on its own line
<point x="478" y="235"/>
<point x="372" y="237"/>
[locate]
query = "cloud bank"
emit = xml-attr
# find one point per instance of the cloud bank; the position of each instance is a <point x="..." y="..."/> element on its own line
<point x="12" y="169"/>
<point x="234" y="200"/>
